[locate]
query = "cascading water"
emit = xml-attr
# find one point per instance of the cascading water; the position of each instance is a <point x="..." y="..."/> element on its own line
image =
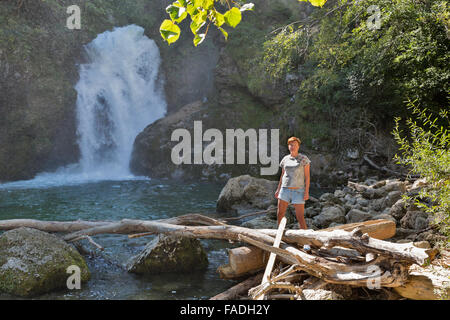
<point x="118" y="95"/>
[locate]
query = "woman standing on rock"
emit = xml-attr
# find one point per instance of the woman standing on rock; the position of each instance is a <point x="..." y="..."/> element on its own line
<point x="294" y="182"/>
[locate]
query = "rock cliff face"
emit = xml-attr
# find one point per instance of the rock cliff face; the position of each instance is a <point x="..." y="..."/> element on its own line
<point x="233" y="102"/>
<point x="38" y="72"/>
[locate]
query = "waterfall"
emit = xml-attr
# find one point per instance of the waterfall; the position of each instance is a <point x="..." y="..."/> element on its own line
<point x="118" y="95"/>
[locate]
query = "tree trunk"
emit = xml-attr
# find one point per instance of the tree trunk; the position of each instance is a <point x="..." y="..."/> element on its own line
<point x="429" y="283"/>
<point x="242" y="261"/>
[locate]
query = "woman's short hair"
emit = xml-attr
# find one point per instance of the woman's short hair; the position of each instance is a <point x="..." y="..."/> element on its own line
<point x="291" y="139"/>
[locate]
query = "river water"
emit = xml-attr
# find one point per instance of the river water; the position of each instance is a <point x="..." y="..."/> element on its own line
<point x="115" y="200"/>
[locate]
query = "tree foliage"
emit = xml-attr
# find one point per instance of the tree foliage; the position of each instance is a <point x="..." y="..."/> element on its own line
<point x="204" y="12"/>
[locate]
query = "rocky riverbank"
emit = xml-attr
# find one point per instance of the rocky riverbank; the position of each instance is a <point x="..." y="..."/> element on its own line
<point x="370" y="199"/>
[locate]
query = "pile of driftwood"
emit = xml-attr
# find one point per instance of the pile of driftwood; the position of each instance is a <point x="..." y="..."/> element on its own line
<point x="353" y="254"/>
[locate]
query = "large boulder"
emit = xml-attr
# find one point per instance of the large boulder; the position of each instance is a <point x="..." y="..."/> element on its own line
<point x="33" y="262"/>
<point x="246" y="191"/>
<point x="330" y="215"/>
<point x="356" y="215"/>
<point x="169" y="254"/>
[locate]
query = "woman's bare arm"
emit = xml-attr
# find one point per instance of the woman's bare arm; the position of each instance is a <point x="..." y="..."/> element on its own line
<point x="279" y="183"/>
<point x="307" y="178"/>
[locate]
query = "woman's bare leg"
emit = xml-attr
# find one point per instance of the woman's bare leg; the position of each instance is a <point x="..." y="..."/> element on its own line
<point x="299" y="213"/>
<point x="282" y="206"/>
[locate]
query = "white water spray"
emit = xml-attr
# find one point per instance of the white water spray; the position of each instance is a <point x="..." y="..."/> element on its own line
<point x="118" y="96"/>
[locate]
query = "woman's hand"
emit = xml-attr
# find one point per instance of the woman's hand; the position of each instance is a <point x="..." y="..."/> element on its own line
<point x="306" y="195"/>
<point x="276" y="193"/>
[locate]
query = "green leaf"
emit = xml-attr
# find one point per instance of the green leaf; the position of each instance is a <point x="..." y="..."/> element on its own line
<point x="208" y="4"/>
<point x="200" y="17"/>
<point x="176" y="13"/>
<point x="318" y="3"/>
<point x="220" y="20"/>
<point x="169" y="31"/>
<point x="224" y="32"/>
<point x="197" y="3"/>
<point x="195" y="27"/>
<point x="199" y="39"/>
<point x="191" y="9"/>
<point x="233" y="17"/>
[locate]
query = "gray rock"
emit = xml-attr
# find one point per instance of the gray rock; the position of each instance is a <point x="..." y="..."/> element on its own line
<point x="409" y="219"/>
<point x="377" y="204"/>
<point x="373" y="193"/>
<point x="368" y="193"/>
<point x="398" y="210"/>
<point x="169" y="254"/>
<point x="362" y="202"/>
<point x="403" y="233"/>
<point x="350" y="199"/>
<point x="247" y="191"/>
<point x="395" y="185"/>
<point x="370" y="181"/>
<point x="329" y="215"/>
<point x="420" y="223"/>
<point x="392" y="198"/>
<point x="33" y="262"/>
<point x="310" y="224"/>
<point x="356" y="215"/>
<point x="339" y="193"/>
<point x="327" y="197"/>
<point x="311" y="212"/>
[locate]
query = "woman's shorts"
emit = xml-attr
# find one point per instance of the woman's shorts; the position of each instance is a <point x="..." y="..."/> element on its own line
<point x="294" y="196"/>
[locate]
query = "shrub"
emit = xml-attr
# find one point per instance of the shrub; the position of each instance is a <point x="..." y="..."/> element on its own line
<point x="427" y="152"/>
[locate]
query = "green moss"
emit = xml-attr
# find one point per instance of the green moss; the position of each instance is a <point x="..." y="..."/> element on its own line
<point x="34" y="262"/>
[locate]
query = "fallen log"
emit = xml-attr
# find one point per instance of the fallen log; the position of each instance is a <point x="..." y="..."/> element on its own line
<point x="404" y="252"/>
<point x="389" y="273"/>
<point x="364" y="244"/>
<point x="379" y="229"/>
<point x="429" y="283"/>
<point x="244" y="260"/>
<point x="78" y="225"/>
